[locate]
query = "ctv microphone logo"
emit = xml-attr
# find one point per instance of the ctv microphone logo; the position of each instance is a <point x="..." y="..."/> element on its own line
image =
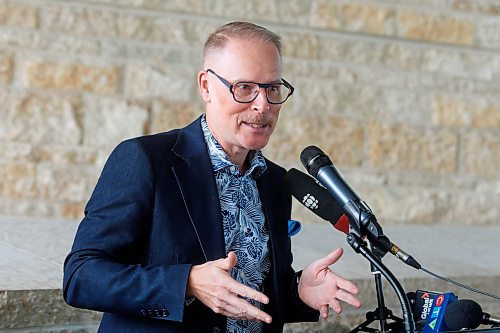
<point x="310" y="202"/>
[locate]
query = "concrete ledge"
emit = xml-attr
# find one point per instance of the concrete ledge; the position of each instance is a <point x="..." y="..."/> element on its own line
<point x="33" y="252"/>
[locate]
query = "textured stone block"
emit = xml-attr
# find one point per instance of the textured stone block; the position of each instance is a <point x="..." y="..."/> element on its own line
<point x="106" y="23"/>
<point x="72" y="210"/>
<point x="488" y="33"/>
<point x="6" y="68"/>
<point x="66" y="155"/>
<point x="482" y="6"/>
<point x="408" y="205"/>
<point x="156" y="54"/>
<point x="181" y="6"/>
<point x="67" y="44"/>
<point x="18" y="180"/>
<point x="326" y="14"/>
<point x="439" y="151"/>
<point x="436" y="28"/>
<point x="82" y="20"/>
<point x="296" y="12"/>
<point x="458" y="63"/>
<point x="481" y="153"/>
<point x="356" y="17"/>
<point x="59" y="183"/>
<point x="405" y="148"/>
<point x="340" y="138"/>
<point x="298" y="45"/>
<point x="16" y="14"/>
<point x="58" y="43"/>
<point x="263" y="10"/>
<point x="168" y="115"/>
<point x="107" y="121"/>
<point x="39" y="118"/>
<point x="366" y="18"/>
<point x="475" y="208"/>
<point x="76" y="77"/>
<point x="16" y="151"/>
<point x="171" y="81"/>
<point x="476" y="113"/>
<point x="379" y="54"/>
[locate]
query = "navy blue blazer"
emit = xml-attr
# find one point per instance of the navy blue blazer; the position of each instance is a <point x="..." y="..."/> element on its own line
<point x="154" y="213"/>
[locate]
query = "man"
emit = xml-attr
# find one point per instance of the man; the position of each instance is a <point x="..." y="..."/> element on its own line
<point x="186" y="231"/>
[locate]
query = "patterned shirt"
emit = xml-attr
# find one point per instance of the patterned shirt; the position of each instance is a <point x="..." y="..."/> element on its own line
<point x="244" y="224"/>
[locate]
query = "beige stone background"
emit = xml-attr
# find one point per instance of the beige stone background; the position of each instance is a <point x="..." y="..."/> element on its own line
<point x="402" y="94"/>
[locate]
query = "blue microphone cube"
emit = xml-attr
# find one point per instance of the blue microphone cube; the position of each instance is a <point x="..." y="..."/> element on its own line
<point x="433" y="306"/>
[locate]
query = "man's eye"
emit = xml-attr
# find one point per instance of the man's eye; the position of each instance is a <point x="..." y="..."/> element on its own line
<point x="275" y="88"/>
<point x="244" y="86"/>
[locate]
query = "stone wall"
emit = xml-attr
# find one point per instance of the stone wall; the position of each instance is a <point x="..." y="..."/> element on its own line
<point x="403" y="94"/>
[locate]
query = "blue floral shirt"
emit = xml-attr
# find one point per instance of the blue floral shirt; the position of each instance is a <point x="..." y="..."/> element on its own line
<point x="244" y="224"/>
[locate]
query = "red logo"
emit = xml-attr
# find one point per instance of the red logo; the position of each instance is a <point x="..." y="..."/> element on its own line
<point x="440" y="300"/>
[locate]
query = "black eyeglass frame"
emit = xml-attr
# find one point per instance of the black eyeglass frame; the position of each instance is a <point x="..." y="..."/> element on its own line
<point x="261" y="85"/>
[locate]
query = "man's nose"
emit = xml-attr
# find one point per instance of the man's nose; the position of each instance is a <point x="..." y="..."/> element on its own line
<point x="260" y="103"/>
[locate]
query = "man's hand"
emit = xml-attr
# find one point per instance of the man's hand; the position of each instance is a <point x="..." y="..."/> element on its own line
<point x="320" y="288"/>
<point x="214" y="287"/>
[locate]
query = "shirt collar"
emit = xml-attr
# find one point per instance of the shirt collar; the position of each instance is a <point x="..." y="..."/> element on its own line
<point x="220" y="160"/>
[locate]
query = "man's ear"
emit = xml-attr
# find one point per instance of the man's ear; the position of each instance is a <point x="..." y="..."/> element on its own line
<point x="203" y="86"/>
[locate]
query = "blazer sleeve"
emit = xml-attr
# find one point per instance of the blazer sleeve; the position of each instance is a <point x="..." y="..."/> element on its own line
<point x="107" y="269"/>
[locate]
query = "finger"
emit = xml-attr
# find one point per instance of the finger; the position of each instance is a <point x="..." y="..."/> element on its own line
<point x="347" y="285"/>
<point x="348" y="298"/>
<point x="335" y="305"/>
<point x="324" y="310"/>
<point x="227" y="263"/>
<point x="244" y="309"/>
<point x="327" y="260"/>
<point x="245" y="291"/>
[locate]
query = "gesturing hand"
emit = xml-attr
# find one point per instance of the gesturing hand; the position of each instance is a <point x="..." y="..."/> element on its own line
<point x="320" y="288"/>
<point x="214" y="287"/>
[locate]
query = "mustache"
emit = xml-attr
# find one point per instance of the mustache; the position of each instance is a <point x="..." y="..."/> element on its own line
<point x="261" y="119"/>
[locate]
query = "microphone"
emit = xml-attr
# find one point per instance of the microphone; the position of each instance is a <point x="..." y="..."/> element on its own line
<point x="319" y="165"/>
<point x="429" y="309"/>
<point x="439" y="312"/>
<point x="316" y="198"/>
<point x="466" y="313"/>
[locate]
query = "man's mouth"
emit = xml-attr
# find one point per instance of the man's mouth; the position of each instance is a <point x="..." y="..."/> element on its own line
<point x="255" y="125"/>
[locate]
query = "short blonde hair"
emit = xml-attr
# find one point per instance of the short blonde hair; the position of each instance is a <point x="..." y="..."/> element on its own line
<point x="238" y="29"/>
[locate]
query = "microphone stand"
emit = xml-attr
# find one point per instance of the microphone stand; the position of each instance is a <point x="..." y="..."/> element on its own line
<point x="382" y="313"/>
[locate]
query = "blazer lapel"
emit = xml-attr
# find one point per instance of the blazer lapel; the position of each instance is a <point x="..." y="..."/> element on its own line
<point x="196" y="181"/>
<point x="270" y="198"/>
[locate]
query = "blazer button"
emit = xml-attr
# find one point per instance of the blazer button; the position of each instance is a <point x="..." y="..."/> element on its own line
<point x="216" y="330"/>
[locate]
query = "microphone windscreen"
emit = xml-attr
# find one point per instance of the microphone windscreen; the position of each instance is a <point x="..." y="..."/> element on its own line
<point x="463" y="313"/>
<point x="316" y="198"/>
<point x="313" y="159"/>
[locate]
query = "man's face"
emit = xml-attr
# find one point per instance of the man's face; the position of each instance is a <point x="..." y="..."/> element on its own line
<point x="240" y="127"/>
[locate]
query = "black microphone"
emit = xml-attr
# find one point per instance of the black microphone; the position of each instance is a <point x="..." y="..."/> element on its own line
<point x="316" y="198"/>
<point x="467" y="314"/>
<point x="319" y="165"/>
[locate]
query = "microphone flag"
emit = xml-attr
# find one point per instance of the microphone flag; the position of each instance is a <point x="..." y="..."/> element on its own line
<point x="431" y="306"/>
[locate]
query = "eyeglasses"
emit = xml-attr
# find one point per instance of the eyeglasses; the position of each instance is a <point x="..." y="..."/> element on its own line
<point x="247" y="91"/>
